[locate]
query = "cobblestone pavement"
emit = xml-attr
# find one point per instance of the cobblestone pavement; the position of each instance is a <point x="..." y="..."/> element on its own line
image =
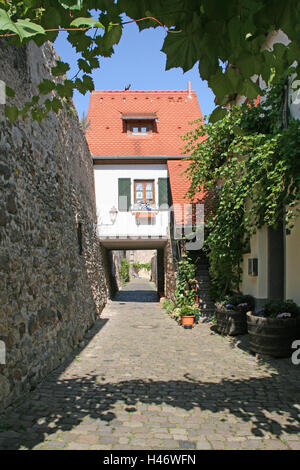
<point x="141" y="381"/>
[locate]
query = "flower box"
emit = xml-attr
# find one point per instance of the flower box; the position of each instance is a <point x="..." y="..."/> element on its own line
<point x="231" y="314"/>
<point x="230" y="322"/>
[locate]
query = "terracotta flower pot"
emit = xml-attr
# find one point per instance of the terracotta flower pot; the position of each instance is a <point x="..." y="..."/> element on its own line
<point x="187" y="320"/>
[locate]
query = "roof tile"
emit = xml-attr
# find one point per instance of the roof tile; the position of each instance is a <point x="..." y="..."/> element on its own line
<point x="180" y="184"/>
<point x="174" y="110"/>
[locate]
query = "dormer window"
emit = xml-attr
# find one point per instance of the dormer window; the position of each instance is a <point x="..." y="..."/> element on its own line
<point x="139" y="124"/>
<point x="139" y="128"/>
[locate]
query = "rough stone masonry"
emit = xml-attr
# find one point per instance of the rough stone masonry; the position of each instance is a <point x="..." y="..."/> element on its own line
<point x="52" y="281"/>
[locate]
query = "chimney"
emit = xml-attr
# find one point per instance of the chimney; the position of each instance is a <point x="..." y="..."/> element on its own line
<point x="189" y="90"/>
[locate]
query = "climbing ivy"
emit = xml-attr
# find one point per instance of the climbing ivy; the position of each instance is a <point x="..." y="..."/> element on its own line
<point x="124" y="271"/>
<point x="252" y="163"/>
<point x="138" y="266"/>
<point x="212" y="33"/>
<point x="185" y="283"/>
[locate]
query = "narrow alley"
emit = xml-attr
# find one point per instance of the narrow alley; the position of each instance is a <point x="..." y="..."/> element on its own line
<point x="141" y="381"/>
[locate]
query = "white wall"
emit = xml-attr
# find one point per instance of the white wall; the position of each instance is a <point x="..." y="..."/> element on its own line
<point x="257" y="285"/>
<point x="292" y="268"/>
<point x="106" y="186"/>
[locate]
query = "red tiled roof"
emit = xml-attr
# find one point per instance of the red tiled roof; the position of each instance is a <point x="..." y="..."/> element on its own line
<point x="174" y="111"/>
<point x="139" y="116"/>
<point x="180" y="184"/>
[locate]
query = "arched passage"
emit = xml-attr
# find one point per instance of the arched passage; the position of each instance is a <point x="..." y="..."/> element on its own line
<point x="114" y="250"/>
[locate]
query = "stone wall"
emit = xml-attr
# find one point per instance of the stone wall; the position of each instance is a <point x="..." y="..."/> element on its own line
<point x="113" y="259"/>
<point x="52" y="281"/>
<point x="154" y="269"/>
<point x="143" y="257"/>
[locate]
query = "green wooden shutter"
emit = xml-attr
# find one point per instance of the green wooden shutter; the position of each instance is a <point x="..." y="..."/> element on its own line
<point x="164" y="196"/>
<point x="124" y="186"/>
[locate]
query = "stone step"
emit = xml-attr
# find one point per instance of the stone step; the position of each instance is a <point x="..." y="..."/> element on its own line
<point x="203" y="278"/>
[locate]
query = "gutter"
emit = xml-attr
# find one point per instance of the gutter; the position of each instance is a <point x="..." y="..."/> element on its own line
<point x="139" y="157"/>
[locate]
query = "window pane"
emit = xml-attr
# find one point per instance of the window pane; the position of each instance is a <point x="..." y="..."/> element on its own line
<point x="139" y="186"/>
<point x="149" y="186"/>
<point x="143" y="130"/>
<point x="135" y="130"/>
<point x="149" y="196"/>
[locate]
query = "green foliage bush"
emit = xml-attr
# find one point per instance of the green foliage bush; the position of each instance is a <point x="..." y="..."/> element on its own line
<point x="274" y="307"/>
<point x="139" y="266"/>
<point x="239" y="300"/>
<point x="208" y="31"/>
<point x="185" y="292"/>
<point x="124" y="271"/>
<point x="188" y="310"/>
<point x="177" y="312"/>
<point x="168" y="305"/>
<point x="250" y="166"/>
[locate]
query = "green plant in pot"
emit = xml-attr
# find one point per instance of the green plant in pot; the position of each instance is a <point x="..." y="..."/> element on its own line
<point x="177" y="314"/>
<point x="187" y="314"/>
<point x="273" y="328"/>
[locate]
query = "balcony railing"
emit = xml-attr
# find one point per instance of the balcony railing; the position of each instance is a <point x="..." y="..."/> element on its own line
<point x="144" y="207"/>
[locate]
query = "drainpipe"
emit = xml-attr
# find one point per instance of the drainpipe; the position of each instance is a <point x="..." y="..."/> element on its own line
<point x="285" y="123"/>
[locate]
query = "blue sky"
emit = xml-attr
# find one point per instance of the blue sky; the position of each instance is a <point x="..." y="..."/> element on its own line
<point x="137" y="60"/>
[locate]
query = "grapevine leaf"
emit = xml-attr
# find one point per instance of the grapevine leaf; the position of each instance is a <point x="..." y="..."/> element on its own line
<point x="112" y="35"/>
<point x="80" y="86"/>
<point x="46" y="86"/>
<point x="250" y="89"/>
<point x="86" y="22"/>
<point x="83" y="65"/>
<point x="6" y="23"/>
<point x="26" y="29"/>
<point x="217" y="114"/>
<point x="188" y="45"/>
<point x="220" y="84"/>
<point x="94" y="62"/>
<point x="71" y="4"/>
<point x="88" y="82"/>
<point x="65" y="90"/>
<point x="207" y="66"/>
<point x="56" y="104"/>
<point x="22" y="28"/>
<point x="60" y="69"/>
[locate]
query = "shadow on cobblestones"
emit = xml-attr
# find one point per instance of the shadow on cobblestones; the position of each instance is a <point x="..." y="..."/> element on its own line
<point x="242" y="342"/>
<point x="61" y="405"/>
<point x="136" y="296"/>
<point x="138" y="290"/>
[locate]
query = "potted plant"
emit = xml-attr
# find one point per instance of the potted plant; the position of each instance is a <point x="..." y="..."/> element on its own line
<point x="273" y="328"/>
<point x="187" y="314"/>
<point x="177" y="315"/>
<point x="230" y="313"/>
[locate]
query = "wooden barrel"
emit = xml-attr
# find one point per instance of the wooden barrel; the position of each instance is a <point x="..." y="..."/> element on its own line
<point x="231" y="322"/>
<point x="272" y="336"/>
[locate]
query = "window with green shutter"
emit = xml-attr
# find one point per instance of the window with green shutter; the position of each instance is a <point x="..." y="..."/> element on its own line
<point x="164" y="195"/>
<point x="124" y="185"/>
